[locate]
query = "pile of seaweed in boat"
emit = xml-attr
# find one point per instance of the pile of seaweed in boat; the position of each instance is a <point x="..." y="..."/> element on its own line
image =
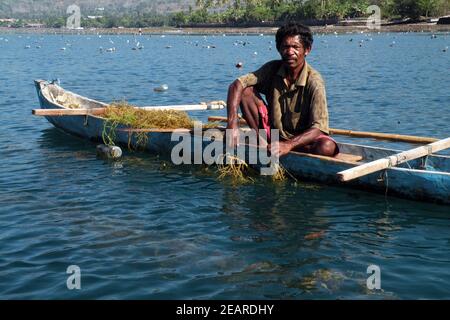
<point x="136" y="118"/>
<point x="123" y="113"/>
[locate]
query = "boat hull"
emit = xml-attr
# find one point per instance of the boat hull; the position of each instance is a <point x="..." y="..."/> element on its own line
<point x="432" y="184"/>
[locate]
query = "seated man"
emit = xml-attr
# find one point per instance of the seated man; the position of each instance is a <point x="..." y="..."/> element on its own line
<point x="295" y="94"/>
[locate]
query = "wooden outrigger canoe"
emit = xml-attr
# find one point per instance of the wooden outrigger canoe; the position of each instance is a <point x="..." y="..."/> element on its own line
<point x="424" y="179"/>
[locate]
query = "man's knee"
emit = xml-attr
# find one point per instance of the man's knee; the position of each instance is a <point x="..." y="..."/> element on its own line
<point x="251" y="96"/>
<point x="249" y="91"/>
<point x="250" y="101"/>
<point x="248" y="94"/>
<point x="325" y="147"/>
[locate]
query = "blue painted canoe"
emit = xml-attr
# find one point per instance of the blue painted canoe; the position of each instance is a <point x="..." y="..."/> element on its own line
<point x="423" y="179"/>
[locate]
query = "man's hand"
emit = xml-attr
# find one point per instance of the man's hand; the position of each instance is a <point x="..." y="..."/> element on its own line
<point x="280" y="148"/>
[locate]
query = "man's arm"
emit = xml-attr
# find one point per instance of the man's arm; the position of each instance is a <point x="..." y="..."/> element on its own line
<point x="233" y="100"/>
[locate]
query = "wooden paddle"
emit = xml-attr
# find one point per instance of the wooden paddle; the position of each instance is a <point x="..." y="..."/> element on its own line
<point x="360" y="134"/>
<point x="393" y="160"/>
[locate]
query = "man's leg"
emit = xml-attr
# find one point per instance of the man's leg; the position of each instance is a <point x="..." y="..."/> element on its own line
<point x="323" y="146"/>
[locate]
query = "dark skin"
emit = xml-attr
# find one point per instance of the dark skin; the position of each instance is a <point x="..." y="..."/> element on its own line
<point x="293" y="54"/>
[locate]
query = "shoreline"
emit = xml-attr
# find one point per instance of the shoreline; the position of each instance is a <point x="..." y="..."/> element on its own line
<point x="331" y="29"/>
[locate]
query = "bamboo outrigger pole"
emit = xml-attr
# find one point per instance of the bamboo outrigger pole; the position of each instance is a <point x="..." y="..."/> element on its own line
<point x="385" y="136"/>
<point x="68" y="112"/>
<point x="393" y="160"/>
<point x="360" y="134"/>
<point x="213" y="105"/>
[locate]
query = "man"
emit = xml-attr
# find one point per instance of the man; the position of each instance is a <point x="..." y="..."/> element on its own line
<point x="295" y="94"/>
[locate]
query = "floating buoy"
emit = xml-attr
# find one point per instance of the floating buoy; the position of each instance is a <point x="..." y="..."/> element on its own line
<point x="445" y="49"/>
<point x="161" y="88"/>
<point x="110" y="152"/>
<point x="239" y="65"/>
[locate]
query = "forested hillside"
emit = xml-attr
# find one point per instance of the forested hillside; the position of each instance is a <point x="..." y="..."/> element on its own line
<point x="42" y="8"/>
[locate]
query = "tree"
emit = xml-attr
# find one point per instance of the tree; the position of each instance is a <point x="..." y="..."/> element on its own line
<point x="180" y="18"/>
<point x="428" y="7"/>
<point x="407" y="8"/>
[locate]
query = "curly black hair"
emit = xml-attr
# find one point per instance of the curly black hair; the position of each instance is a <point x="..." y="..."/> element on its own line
<point x="295" y="29"/>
